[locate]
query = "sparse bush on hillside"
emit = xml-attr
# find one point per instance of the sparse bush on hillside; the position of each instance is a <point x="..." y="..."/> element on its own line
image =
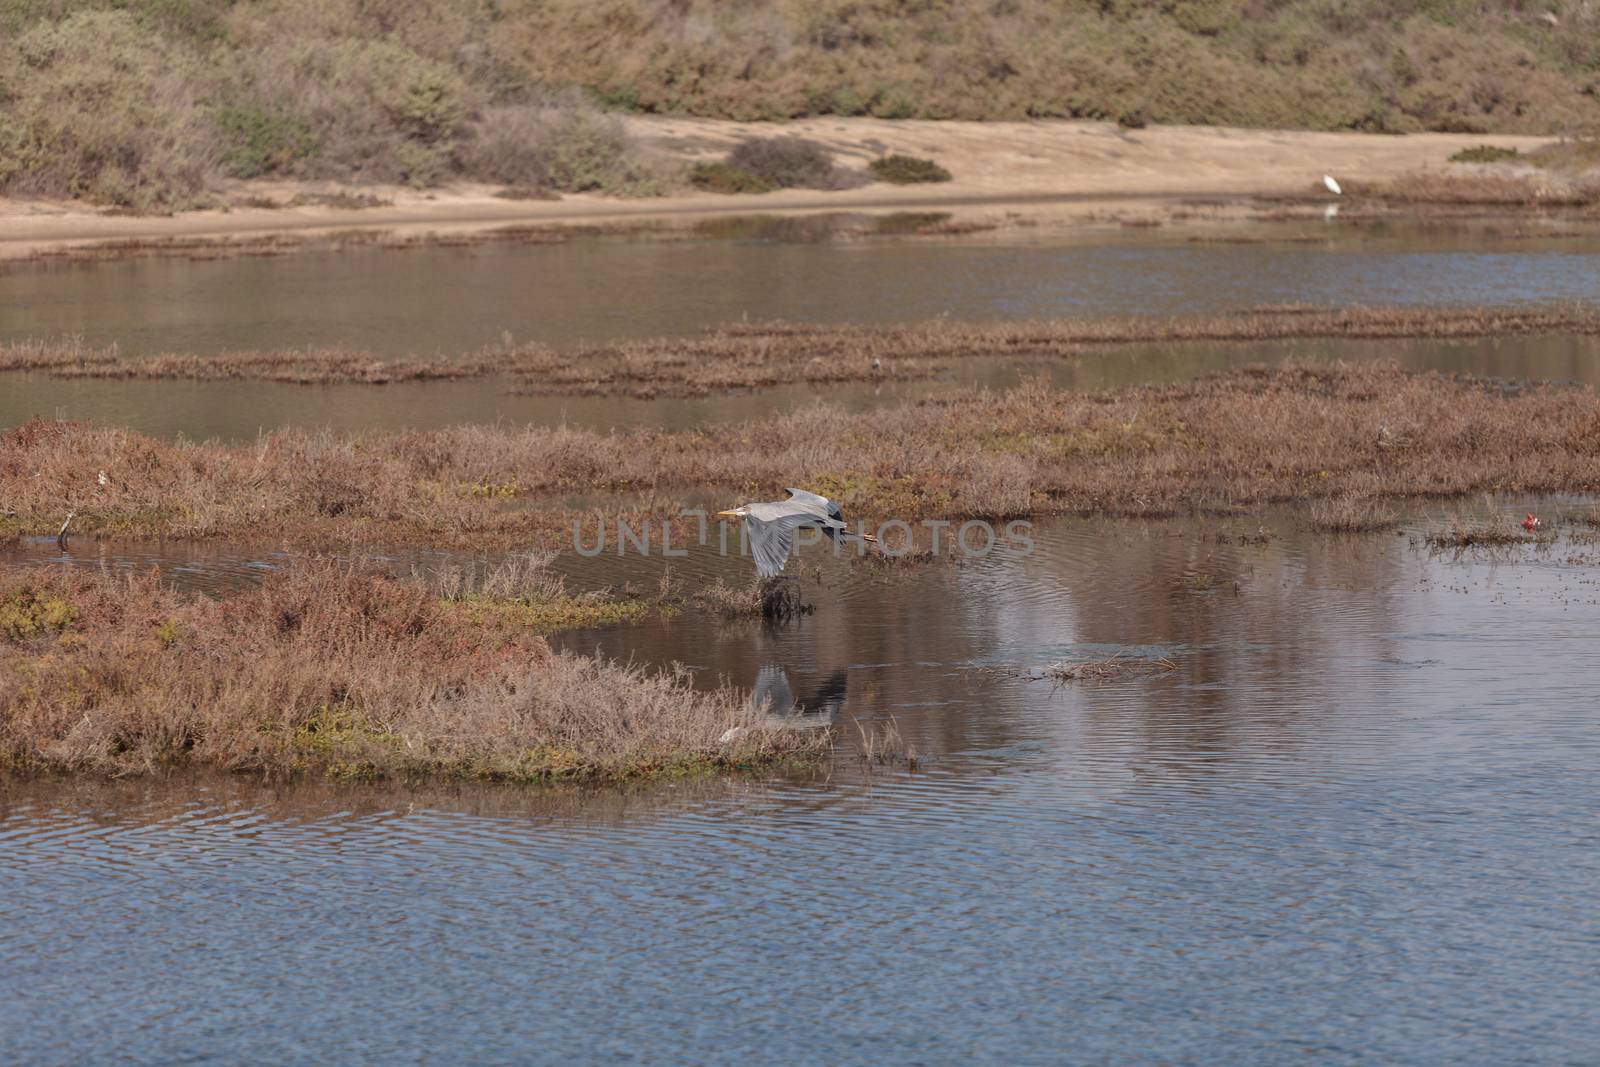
<point x="96" y="106"/>
<point x="585" y="150"/>
<point x="723" y="178"/>
<point x="1484" y="153"/>
<point x="907" y="170"/>
<point x="792" y="163"/>
<point x="142" y="104"/>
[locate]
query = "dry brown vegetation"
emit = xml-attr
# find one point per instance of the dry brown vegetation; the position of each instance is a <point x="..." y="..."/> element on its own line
<point x="744" y="356"/>
<point x="771" y="598"/>
<point x="1490" y="188"/>
<point x="1352" y="514"/>
<point x="325" y="669"/>
<point x="1102" y="670"/>
<point x="1295" y="431"/>
<point x="1485" y="533"/>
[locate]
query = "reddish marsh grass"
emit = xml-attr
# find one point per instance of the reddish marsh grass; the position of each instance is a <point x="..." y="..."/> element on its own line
<point x="326" y="670"/>
<point x="1257" y="435"/>
<point x="739" y="357"/>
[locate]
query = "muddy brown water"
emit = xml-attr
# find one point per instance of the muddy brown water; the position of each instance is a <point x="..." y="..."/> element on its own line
<point x="1356" y="822"/>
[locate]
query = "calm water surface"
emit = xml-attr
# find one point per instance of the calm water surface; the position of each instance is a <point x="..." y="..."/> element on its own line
<point x="433" y="300"/>
<point x="445" y="301"/>
<point x="1357" y="823"/>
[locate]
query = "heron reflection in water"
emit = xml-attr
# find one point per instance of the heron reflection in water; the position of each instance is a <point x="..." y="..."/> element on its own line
<point x="775" y="699"/>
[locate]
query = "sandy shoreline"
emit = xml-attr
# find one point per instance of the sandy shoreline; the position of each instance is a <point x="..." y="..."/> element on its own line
<point x="1066" y="171"/>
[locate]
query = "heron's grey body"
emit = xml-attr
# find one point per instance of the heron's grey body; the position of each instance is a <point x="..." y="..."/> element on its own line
<point x="772" y="526"/>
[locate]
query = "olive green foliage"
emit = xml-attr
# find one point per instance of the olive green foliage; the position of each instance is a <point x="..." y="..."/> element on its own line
<point x="259" y="142"/>
<point x="1463" y="65"/>
<point x="98" y="105"/>
<point x="907" y="170"/>
<point x="145" y="105"/>
<point x="724" y="178"/>
<point x="1484" y="153"/>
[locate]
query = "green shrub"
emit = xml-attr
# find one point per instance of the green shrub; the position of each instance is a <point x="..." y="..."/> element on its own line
<point x="724" y="178"/>
<point x="377" y="110"/>
<point x="907" y="170"/>
<point x="262" y="142"/>
<point x="1484" y="153"/>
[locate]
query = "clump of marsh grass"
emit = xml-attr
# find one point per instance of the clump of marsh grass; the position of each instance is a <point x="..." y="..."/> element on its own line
<point x="1296" y="431"/>
<point x="1352" y="514"/>
<point x="884" y="746"/>
<point x="770" y="598"/>
<point x="1492" y="533"/>
<point x="1102" y="670"/>
<point x="331" y="670"/>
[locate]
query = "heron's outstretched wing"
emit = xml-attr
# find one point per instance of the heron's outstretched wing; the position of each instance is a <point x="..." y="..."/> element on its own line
<point x="772" y="540"/>
<point x="772" y="525"/>
<point x="813" y="502"/>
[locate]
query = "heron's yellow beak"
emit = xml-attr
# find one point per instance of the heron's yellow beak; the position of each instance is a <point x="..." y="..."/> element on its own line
<point x="869" y="539"/>
<point x="727" y="514"/>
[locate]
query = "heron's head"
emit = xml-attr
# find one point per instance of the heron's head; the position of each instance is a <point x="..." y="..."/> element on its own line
<point x="737" y="513"/>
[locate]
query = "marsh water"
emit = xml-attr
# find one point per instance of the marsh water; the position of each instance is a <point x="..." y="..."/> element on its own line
<point x="1340" y="808"/>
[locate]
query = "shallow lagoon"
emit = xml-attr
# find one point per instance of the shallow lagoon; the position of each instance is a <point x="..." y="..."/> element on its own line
<point x="1354" y="823"/>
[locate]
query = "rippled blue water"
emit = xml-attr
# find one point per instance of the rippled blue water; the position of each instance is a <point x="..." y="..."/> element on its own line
<point x="1357" y="823"/>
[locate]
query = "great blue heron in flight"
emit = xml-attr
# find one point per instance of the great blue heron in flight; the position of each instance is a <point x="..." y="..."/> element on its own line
<point x="772" y="525"/>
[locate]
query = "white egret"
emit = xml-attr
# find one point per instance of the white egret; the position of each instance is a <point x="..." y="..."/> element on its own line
<point x="1332" y="186"/>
